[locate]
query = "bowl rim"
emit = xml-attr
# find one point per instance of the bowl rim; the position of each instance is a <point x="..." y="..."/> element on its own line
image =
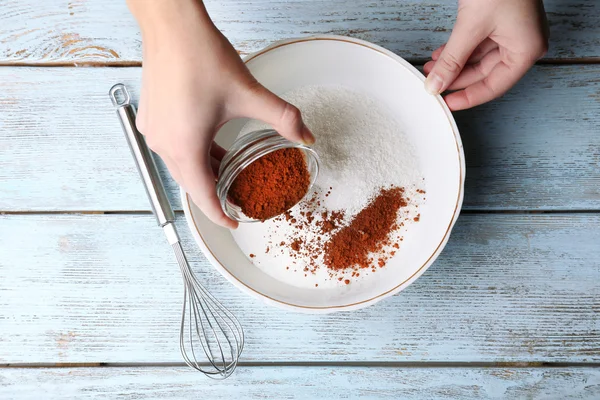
<point x="186" y="201"/>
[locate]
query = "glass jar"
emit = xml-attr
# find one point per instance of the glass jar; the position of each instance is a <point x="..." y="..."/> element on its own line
<point x="249" y="148"/>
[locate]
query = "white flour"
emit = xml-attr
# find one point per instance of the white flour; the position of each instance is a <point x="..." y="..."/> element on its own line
<point x="362" y="148"/>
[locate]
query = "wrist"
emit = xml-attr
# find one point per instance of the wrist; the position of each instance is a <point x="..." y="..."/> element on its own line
<point x="168" y="18"/>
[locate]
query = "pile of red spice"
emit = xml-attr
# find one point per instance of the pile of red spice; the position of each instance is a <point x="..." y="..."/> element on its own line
<point x="272" y="184"/>
<point x="323" y="237"/>
<point x="367" y="233"/>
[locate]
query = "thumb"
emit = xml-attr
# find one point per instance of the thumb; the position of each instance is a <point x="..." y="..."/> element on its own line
<point x="463" y="41"/>
<point x="264" y="105"/>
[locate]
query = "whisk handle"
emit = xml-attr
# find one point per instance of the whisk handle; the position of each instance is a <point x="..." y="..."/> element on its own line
<point x="142" y="156"/>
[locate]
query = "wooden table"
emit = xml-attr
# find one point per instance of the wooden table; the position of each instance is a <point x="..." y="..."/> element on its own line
<point x="90" y="292"/>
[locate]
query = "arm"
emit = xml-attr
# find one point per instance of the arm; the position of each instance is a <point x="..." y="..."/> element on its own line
<point x="193" y="82"/>
<point x="492" y="46"/>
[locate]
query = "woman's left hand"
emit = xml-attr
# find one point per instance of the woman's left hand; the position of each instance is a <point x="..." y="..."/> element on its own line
<point x="492" y="45"/>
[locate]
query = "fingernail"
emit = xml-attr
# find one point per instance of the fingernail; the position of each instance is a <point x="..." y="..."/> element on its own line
<point x="307" y="136"/>
<point x="433" y="84"/>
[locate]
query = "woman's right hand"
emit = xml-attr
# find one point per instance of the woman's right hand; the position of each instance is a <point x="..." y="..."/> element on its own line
<point x="193" y="82"/>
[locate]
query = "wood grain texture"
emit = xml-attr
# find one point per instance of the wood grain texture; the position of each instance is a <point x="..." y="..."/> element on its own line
<point x="106" y="288"/>
<point x="103" y="31"/>
<point x="302" y="383"/>
<point x="62" y="148"/>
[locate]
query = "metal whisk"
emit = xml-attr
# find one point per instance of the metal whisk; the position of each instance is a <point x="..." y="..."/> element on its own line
<point x="205" y="322"/>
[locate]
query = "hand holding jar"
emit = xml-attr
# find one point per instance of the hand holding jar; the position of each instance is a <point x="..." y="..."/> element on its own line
<point x="193" y="82"/>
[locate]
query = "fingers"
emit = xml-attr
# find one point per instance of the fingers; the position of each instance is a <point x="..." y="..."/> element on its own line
<point x="216" y="156"/>
<point x="453" y="57"/>
<point x="436" y="53"/>
<point x="171" y="165"/>
<point x="482" y="50"/>
<point x="261" y="104"/>
<point x="199" y="182"/>
<point x="197" y="173"/>
<point x="487" y="46"/>
<point x="217" y="151"/>
<point x="173" y="168"/>
<point x="500" y="79"/>
<point x="214" y="166"/>
<point x="476" y="72"/>
<point x="428" y="67"/>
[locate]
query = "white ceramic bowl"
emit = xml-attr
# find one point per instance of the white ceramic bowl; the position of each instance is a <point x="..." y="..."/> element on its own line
<point x="361" y="66"/>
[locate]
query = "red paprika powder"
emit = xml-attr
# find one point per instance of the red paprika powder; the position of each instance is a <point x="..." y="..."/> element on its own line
<point x="272" y="184"/>
<point x="367" y="233"/>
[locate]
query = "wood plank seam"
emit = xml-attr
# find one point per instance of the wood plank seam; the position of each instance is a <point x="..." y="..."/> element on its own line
<point x="418" y="62"/>
<point x="316" y="364"/>
<point x="469" y="211"/>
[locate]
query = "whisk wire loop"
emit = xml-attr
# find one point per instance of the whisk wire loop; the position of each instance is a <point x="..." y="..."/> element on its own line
<point x="205" y="321"/>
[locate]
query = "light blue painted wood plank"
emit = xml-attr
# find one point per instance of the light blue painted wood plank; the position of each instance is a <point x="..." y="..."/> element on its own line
<point x="100" y="31"/>
<point x="62" y="148"/>
<point x="106" y="288"/>
<point x="302" y="383"/>
<point x="537" y="147"/>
